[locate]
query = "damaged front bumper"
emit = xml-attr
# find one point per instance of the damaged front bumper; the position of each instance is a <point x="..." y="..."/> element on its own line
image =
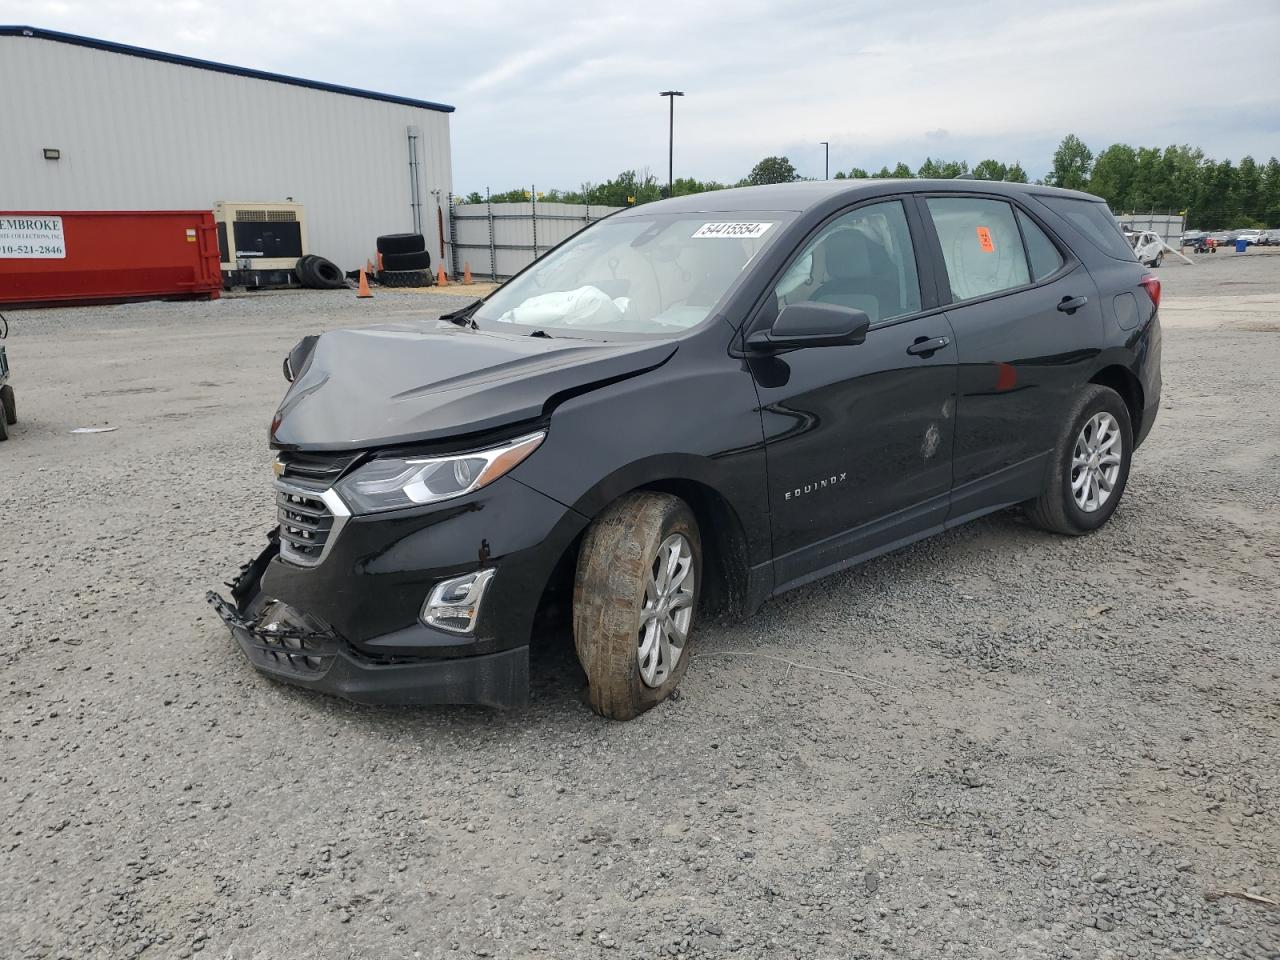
<point x="290" y="645"/>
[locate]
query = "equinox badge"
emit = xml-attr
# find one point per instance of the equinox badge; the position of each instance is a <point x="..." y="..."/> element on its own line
<point x="808" y="488"/>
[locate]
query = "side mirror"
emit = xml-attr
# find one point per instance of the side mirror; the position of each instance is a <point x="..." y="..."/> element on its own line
<point x="810" y="324"/>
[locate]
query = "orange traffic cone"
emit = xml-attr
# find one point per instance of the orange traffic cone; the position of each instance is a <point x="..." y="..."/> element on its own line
<point x="441" y="279"/>
<point x="466" y="273"/>
<point x="364" y="285"/>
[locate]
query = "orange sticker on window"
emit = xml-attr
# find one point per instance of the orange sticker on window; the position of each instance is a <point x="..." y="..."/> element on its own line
<point x="984" y="240"/>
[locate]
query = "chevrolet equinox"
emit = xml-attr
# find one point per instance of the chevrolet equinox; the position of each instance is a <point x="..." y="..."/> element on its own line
<point x="692" y="406"/>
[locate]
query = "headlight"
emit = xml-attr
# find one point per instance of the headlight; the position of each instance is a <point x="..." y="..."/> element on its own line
<point x="390" y="483"/>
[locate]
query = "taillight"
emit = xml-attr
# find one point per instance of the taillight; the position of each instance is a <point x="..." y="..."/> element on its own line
<point x="1151" y="284"/>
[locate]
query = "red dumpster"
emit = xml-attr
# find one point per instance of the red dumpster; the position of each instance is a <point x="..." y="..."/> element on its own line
<point x="99" y="255"/>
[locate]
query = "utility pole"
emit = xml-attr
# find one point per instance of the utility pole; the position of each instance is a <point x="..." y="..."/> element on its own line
<point x="826" y="161"/>
<point x="671" y="137"/>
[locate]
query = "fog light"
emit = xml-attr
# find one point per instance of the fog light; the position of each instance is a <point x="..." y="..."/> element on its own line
<point x="454" y="605"/>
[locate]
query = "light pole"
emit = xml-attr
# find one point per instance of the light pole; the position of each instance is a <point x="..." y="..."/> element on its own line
<point x="671" y="136"/>
<point x="826" y="160"/>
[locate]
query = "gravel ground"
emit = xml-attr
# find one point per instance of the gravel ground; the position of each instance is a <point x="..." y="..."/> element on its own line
<point x="993" y="744"/>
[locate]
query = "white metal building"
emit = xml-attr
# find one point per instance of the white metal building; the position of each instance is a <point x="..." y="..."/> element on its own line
<point x="93" y="125"/>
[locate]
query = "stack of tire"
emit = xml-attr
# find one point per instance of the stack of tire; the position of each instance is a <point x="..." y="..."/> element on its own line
<point x="319" y="273"/>
<point x="405" y="261"/>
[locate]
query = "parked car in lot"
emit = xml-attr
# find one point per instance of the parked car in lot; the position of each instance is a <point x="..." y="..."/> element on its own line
<point x="1148" y="247"/>
<point x="1250" y="237"/>
<point x="688" y="407"/>
<point x="1223" y="238"/>
<point x="1270" y="238"/>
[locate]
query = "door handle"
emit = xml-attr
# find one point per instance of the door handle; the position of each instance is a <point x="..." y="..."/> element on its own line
<point x="1072" y="304"/>
<point x="924" y="347"/>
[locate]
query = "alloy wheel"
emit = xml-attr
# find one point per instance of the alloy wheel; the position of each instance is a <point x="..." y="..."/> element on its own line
<point x="1096" y="461"/>
<point x="667" y="612"/>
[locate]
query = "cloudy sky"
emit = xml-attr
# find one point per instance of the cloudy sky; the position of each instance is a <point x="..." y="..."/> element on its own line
<point x="558" y="92"/>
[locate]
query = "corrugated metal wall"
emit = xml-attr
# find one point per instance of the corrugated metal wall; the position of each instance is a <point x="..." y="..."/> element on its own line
<point x="143" y="134"/>
<point x="515" y="233"/>
<point x="1170" y="226"/>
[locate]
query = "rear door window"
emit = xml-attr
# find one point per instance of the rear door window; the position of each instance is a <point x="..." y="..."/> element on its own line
<point x="981" y="245"/>
<point x="1094" y="219"/>
<point x="1044" y="256"/>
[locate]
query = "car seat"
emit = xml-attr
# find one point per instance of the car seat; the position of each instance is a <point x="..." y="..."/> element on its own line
<point x="860" y="275"/>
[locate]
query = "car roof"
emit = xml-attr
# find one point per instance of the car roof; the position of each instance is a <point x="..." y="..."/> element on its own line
<point x="806" y="194"/>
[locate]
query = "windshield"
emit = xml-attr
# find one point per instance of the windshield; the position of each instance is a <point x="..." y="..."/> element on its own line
<point x="656" y="275"/>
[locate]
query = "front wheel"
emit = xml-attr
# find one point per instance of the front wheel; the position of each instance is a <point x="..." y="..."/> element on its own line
<point x="634" y="600"/>
<point x="1089" y="467"/>
<point x="9" y="404"/>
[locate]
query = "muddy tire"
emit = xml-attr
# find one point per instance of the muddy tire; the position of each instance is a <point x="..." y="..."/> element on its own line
<point x="406" y="278"/>
<point x="9" y="404"/>
<point x="1089" y="467"/>
<point x="635" y="600"/>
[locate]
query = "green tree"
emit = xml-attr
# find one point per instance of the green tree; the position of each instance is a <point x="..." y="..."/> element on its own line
<point x="990" y="170"/>
<point x="1071" y="164"/>
<point x="683" y="186"/>
<point x="518" y="195"/>
<point x="1248" y="193"/>
<point x="1146" y="192"/>
<point x="942" y="169"/>
<point x="900" y="172"/>
<point x="1113" y="173"/>
<point x="628" y="187"/>
<point x="772" y="170"/>
<point x="1217" y="195"/>
<point x="1180" y="172"/>
<point x="1271" y="194"/>
<point x="1015" y="174"/>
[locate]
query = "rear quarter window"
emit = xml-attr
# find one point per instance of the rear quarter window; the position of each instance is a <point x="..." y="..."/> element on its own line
<point x="1094" y="219"/>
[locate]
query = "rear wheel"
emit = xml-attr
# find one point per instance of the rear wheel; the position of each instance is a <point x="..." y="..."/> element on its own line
<point x="1090" y="465"/>
<point x="9" y="403"/>
<point x="634" y="602"/>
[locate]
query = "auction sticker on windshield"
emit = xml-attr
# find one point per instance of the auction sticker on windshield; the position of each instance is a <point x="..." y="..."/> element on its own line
<point x="747" y="231"/>
<point x="32" y="238"/>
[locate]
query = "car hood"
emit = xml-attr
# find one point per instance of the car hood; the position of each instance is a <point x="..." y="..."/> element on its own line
<point x="423" y="382"/>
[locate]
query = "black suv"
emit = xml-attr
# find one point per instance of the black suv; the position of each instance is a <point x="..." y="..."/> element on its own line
<point x="693" y="405"/>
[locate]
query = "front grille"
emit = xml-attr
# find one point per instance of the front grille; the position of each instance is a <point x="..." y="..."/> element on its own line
<point x="315" y="468"/>
<point x="306" y="524"/>
<point x="310" y="513"/>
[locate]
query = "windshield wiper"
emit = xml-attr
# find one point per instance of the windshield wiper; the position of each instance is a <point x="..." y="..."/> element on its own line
<point x="462" y="316"/>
